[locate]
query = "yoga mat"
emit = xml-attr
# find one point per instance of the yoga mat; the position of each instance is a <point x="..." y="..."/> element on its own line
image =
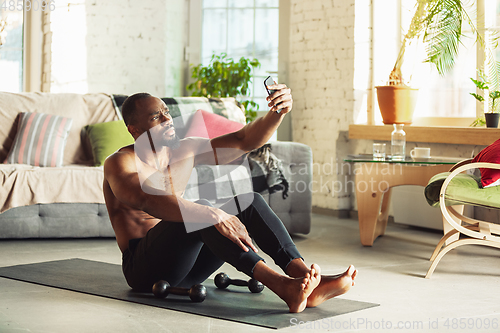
<point x="235" y="303"/>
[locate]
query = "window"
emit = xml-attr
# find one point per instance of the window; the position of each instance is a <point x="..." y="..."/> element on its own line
<point x="439" y="96"/>
<point x="68" y="47"/>
<point x="243" y="28"/>
<point x="492" y="28"/>
<point x="11" y="50"/>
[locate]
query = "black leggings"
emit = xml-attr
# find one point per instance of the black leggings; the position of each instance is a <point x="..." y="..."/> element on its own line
<point x="168" y="252"/>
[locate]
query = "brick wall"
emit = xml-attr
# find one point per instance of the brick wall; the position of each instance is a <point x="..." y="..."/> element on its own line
<point x="135" y="46"/>
<point x="321" y="74"/>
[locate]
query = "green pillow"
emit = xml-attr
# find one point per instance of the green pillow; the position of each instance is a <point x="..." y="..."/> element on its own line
<point x="106" y="138"/>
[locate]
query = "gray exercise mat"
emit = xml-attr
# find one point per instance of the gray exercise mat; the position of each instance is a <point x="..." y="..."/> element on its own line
<point x="235" y="303"/>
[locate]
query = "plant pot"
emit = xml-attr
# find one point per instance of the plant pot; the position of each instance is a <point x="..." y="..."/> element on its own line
<point x="491" y="119"/>
<point x="396" y="103"/>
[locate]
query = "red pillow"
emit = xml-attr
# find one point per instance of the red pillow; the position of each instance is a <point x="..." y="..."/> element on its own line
<point x="490" y="154"/>
<point x="209" y="125"/>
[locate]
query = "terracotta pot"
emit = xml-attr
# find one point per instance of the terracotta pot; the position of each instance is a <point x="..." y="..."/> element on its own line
<point x="491" y="119"/>
<point x="397" y="103"/>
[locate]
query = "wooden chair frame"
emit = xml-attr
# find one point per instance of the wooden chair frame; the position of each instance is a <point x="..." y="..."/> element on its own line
<point x="479" y="232"/>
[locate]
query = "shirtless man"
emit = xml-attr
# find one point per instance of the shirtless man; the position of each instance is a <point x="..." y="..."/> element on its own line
<point x="146" y="219"/>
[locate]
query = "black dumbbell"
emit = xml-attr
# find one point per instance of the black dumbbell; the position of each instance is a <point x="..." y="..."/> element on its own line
<point x="222" y="281"/>
<point x="197" y="293"/>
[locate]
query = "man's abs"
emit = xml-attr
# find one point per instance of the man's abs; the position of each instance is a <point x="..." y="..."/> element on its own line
<point x="127" y="223"/>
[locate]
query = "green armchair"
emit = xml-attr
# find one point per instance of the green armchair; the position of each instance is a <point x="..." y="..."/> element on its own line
<point x="451" y="191"/>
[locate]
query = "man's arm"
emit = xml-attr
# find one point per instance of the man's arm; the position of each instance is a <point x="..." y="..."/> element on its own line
<point x="121" y="173"/>
<point x="256" y="133"/>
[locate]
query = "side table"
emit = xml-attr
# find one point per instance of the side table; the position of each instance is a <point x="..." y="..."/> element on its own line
<point x="375" y="180"/>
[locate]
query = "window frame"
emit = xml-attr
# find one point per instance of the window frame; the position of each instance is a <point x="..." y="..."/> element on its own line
<point x="32" y="50"/>
<point x="33" y="37"/>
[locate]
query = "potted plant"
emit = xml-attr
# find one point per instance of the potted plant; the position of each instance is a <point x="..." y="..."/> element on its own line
<point x="491" y="87"/>
<point x="439" y="22"/>
<point x="223" y="77"/>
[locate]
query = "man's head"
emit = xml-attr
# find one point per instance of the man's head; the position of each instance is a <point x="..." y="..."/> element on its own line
<point x="142" y="112"/>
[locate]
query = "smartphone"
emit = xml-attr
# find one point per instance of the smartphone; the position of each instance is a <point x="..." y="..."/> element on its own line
<point x="269" y="81"/>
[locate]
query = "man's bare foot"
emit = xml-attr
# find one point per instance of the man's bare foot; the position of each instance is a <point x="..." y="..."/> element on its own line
<point x="296" y="291"/>
<point x="332" y="286"/>
<point x="293" y="290"/>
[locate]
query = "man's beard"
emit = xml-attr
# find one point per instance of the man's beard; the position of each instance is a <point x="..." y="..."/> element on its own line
<point x="160" y="139"/>
<point x="173" y="143"/>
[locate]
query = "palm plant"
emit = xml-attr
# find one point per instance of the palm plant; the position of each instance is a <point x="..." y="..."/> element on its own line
<point x="440" y="23"/>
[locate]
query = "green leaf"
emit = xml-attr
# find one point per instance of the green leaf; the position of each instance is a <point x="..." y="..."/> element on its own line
<point x="494" y="94"/>
<point x="480" y="121"/>
<point x="443" y="32"/>
<point x="478" y="97"/>
<point x="251" y="109"/>
<point x="480" y="84"/>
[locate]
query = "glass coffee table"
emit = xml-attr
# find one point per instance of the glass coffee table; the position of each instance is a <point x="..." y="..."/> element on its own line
<point x="368" y="158"/>
<point x="376" y="178"/>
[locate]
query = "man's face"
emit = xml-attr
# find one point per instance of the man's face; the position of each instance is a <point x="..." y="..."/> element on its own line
<point x="153" y="115"/>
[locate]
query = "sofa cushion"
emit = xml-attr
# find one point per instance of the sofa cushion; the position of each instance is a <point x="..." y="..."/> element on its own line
<point x="40" y="140"/>
<point x="56" y="220"/>
<point x="82" y="109"/>
<point x="106" y="138"/>
<point x="210" y="125"/>
<point x="490" y="154"/>
<point x="462" y="189"/>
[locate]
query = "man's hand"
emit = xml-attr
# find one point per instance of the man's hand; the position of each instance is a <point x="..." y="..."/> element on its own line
<point x="255" y="134"/>
<point x="280" y="99"/>
<point x="231" y="227"/>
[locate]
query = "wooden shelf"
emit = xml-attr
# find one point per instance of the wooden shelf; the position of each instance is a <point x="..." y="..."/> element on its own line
<point x="454" y="135"/>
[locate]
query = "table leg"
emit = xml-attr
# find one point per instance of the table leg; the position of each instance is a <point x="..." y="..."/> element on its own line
<point x="373" y="205"/>
<point x="384" y="214"/>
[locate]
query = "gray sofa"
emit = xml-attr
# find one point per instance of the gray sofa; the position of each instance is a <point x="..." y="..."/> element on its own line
<point x="77" y="216"/>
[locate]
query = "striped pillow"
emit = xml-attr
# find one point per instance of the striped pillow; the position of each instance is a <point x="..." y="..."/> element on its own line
<point x="40" y="140"/>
